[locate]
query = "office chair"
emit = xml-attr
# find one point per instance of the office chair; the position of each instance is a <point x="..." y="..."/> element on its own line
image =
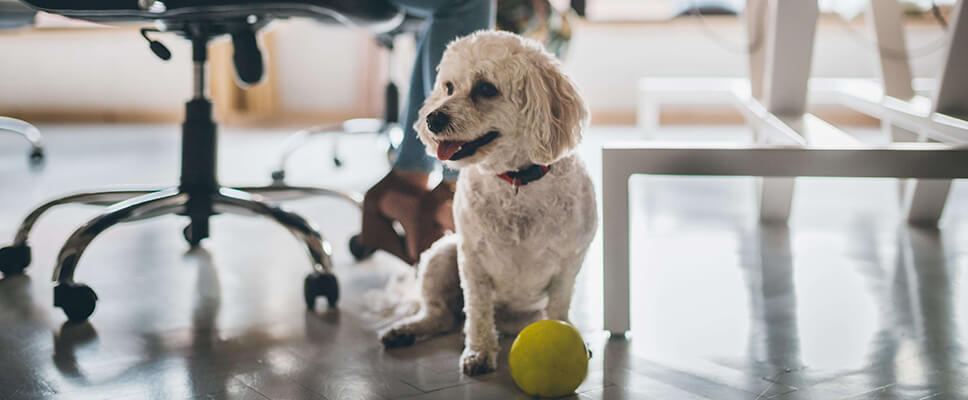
<point x="199" y="194"/>
<point x="14" y="14"/>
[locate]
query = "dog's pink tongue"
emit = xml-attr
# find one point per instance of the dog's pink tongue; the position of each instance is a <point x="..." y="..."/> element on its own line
<point x="446" y="149"/>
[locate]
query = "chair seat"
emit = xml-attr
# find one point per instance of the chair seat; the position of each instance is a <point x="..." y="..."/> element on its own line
<point x="378" y="16"/>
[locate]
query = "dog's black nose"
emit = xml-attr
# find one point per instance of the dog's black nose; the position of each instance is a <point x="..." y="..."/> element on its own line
<point x="437" y="121"/>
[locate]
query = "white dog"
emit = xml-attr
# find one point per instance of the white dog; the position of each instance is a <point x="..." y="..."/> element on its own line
<point x="504" y="113"/>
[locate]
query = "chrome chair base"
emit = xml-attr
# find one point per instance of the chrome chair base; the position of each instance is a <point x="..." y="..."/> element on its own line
<point x="29" y="133"/>
<point x="130" y="205"/>
<point x="390" y="130"/>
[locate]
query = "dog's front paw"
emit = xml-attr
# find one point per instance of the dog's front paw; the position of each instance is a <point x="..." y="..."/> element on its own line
<point x="397" y="337"/>
<point x="477" y="363"/>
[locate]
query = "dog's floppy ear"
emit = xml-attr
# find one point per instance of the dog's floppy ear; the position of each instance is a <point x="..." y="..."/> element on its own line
<point x="555" y="113"/>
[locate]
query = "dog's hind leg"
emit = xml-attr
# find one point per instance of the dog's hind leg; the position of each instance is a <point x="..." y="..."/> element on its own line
<point x="441" y="301"/>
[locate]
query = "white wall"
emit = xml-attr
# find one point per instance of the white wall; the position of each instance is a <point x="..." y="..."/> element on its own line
<point x="319" y="66"/>
<point x="607" y="61"/>
<point x="90" y="69"/>
<point x="326" y="68"/>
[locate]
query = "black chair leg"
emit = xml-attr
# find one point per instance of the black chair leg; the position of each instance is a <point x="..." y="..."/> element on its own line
<point x="196" y="230"/>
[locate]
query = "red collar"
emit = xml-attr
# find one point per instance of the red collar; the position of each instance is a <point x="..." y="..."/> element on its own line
<point x="525" y="175"/>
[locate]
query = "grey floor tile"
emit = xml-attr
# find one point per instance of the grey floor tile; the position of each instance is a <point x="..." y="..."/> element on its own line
<point x="844" y="303"/>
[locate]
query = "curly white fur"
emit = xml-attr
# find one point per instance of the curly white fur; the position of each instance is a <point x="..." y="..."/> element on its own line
<point x="516" y="252"/>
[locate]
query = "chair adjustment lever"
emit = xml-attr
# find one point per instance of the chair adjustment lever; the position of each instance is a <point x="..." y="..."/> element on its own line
<point x="156" y="47"/>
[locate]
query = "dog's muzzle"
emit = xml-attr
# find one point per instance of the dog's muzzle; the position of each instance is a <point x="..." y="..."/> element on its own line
<point x="437" y="121"/>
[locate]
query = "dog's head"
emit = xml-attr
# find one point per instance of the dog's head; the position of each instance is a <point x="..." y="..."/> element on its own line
<point x="500" y="101"/>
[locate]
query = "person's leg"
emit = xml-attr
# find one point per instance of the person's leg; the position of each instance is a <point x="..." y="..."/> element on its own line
<point x="412" y="156"/>
<point x="397" y="195"/>
<point x="446" y="20"/>
<point x="449" y="21"/>
<point x="400" y="190"/>
<point x="402" y="195"/>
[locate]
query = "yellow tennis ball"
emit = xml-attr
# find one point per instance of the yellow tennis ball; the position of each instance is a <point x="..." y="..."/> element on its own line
<point x="548" y="359"/>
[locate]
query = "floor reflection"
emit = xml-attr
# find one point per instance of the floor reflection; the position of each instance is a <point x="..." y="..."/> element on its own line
<point x="200" y="361"/>
<point x="67" y="341"/>
<point x="18" y="299"/>
<point x="774" y="341"/>
<point x="932" y="327"/>
<point x="915" y="349"/>
<point x="889" y="290"/>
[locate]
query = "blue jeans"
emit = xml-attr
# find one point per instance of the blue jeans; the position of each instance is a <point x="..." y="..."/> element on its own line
<point x="446" y="21"/>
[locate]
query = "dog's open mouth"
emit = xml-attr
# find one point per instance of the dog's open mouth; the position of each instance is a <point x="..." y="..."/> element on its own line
<point x="455" y="150"/>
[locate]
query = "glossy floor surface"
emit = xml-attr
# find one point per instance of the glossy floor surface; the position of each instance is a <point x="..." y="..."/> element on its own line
<point x="843" y="303"/>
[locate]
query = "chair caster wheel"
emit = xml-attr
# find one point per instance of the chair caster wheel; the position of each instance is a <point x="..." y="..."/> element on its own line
<point x="360" y="252"/>
<point x="76" y="299"/>
<point x="37" y="155"/>
<point x="14" y="260"/>
<point x="320" y="284"/>
<point x="187" y="234"/>
<point x="278" y="176"/>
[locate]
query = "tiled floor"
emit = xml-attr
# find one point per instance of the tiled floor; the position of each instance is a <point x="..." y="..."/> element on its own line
<point x="845" y="303"/>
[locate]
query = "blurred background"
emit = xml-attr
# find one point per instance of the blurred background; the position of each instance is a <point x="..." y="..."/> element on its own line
<point x="842" y="300"/>
<point x="69" y="71"/>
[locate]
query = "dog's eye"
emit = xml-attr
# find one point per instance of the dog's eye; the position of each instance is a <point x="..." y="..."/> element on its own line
<point x="450" y="88"/>
<point x="485" y="89"/>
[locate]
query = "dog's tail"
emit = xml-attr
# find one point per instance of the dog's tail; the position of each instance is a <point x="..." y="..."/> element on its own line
<point x="400" y="298"/>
